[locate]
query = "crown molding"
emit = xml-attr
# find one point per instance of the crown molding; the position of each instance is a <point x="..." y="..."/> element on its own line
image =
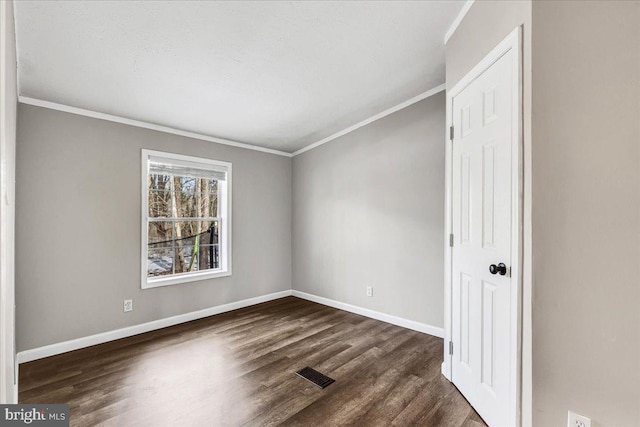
<point x="372" y="119"/>
<point x="146" y="125"/>
<point x="458" y="20"/>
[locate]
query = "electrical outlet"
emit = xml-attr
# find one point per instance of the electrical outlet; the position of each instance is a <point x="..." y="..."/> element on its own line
<point x="128" y="305"/>
<point x="576" y="420"/>
<point x="369" y="291"/>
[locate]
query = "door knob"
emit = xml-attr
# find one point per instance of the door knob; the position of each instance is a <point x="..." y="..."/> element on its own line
<point x="500" y="269"/>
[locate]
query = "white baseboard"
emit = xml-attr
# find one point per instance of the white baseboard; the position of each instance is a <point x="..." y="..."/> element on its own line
<point x="394" y="320"/>
<point x="443" y="370"/>
<point x="78" y="343"/>
<point x="63" y="347"/>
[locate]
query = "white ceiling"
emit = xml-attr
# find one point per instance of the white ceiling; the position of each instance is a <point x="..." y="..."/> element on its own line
<point x="280" y="75"/>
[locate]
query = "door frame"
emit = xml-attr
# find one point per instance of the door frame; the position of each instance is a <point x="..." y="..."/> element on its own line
<point x="513" y="43"/>
<point x="8" y="105"/>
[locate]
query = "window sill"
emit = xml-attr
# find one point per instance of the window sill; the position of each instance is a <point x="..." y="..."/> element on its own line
<point x="186" y="278"/>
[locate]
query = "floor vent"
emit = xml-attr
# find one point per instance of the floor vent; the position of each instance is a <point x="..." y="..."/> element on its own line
<point x="315" y="377"/>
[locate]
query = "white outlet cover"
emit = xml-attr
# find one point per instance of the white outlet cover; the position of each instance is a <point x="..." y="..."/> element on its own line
<point x="128" y="305"/>
<point x="576" y="420"/>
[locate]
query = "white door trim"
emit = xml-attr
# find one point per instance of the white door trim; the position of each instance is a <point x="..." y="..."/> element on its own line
<point x="513" y="42"/>
<point x="8" y="102"/>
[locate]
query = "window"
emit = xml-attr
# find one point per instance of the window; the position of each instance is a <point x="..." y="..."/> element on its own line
<point x="186" y="221"/>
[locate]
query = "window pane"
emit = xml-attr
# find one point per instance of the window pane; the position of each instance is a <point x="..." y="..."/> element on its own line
<point x="190" y="233"/>
<point x="186" y="204"/>
<point x="213" y="186"/>
<point x="214" y="231"/>
<point x="193" y="199"/>
<point x="159" y="262"/>
<point x="208" y="257"/>
<point x="206" y="185"/>
<point x="160" y="234"/>
<point x="159" y="182"/>
<point x="159" y="204"/>
<point x="186" y="259"/>
<point x="209" y="233"/>
<point x="189" y="259"/>
<point x="197" y="248"/>
<point x="184" y="184"/>
<point x="186" y="232"/>
<point x="207" y="205"/>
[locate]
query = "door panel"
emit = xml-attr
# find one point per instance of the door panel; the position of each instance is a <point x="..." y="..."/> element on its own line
<point x="465" y="202"/>
<point x="481" y="210"/>
<point x="488" y="187"/>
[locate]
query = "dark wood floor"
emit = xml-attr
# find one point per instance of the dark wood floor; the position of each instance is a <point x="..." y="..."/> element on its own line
<point x="238" y="368"/>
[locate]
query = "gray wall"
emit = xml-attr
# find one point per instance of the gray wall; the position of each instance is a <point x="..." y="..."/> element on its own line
<point x="78" y="227"/>
<point x="368" y="210"/>
<point x="8" y="114"/>
<point x="586" y="205"/>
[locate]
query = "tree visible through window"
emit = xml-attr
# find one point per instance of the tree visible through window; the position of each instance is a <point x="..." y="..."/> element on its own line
<point x="185" y="217"/>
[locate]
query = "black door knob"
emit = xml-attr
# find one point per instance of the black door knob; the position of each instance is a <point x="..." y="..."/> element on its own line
<point x="500" y="269"/>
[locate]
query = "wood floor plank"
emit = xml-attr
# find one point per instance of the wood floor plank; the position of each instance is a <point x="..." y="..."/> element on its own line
<point x="238" y="369"/>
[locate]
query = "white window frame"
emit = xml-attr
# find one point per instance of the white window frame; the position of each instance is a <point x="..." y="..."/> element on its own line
<point x="224" y="206"/>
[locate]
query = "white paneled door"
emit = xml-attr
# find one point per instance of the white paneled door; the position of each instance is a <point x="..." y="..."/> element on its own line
<point x="482" y="285"/>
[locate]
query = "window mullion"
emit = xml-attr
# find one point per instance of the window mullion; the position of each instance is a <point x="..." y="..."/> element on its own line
<point x="173" y="231"/>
